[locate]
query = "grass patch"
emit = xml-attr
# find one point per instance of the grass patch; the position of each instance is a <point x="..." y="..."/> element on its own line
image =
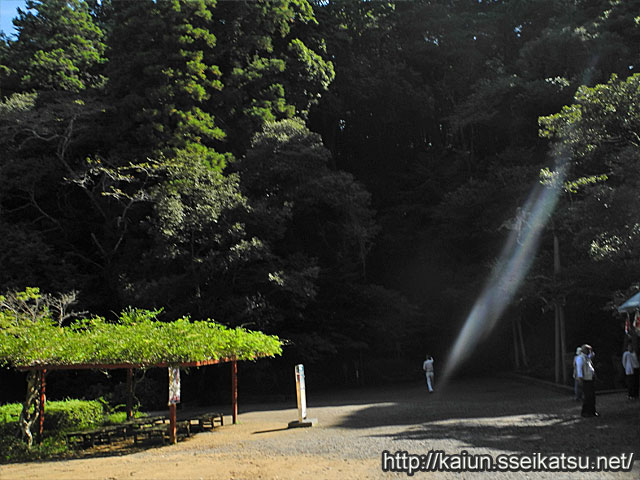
<point x="119" y="417"/>
<point x="10" y="413"/>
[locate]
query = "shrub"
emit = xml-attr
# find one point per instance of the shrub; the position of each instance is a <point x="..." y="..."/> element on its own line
<point x="13" y="449"/>
<point x="10" y="413"/>
<point x="59" y="415"/>
<point x="73" y="415"/>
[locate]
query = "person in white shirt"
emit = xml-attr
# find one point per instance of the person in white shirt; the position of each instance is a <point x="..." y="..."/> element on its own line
<point x="631" y="370"/>
<point x="577" y="386"/>
<point x="586" y="375"/>
<point x="427" y="366"/>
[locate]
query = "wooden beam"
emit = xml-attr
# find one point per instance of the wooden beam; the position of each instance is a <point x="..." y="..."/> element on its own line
<point x="173" y="437"/>
<point x="112" y="366"/>
<point x="234" y="391"/>
<point x="43" y="398"/>
<point x="129" y="393"/>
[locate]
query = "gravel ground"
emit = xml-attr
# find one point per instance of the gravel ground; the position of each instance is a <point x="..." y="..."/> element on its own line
<point x="482" y="416"/>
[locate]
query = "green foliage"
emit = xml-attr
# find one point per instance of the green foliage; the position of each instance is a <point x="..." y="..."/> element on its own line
<point x="273" y="66"/>
<point x="10" y="413"/>
<point x="18" y="102"/>
<point x="600" y="131"/>
<point x="192" y="209"/>
<point x="550" y="178"/>
<point x="120" y="417"/>
<point x="198" y="240"/>
<point x="12" y="449"/>
<point x="308" y="205"/>
<point x="433" y="106"/>
<point x="602" y="119"/>
<point x="317" y="226"/>
<point x="73" y="414"/>
<point x="136" y="338"/>
<point x="168" y="44"/>
<point x="65" y="415"/>
<point x="60" y="416"/>
<point x="59" y="47"/>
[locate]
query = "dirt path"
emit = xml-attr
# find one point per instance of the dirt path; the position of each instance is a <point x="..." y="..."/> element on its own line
<point x="488" y="416"/>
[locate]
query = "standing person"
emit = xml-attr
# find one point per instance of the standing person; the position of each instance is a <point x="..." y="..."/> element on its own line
<point x="427" y="366"/>
<point x="586" y="374"/>
<point x="577" y="386"/>
<point x="631" y="370"/>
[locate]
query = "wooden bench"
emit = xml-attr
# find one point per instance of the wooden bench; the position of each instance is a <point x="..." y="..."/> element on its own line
<point x="98" y="435"/>
<point x="106" y="434"/>
<point x="207" y="421"/>
<point x="161" y="431"/>
<point x="85" y="437"/>
<point x="146" y="421"/>
<point x="142" y="428"/>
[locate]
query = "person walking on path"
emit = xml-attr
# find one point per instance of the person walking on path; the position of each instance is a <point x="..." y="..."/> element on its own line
<point x="427" y="366"/>
<point x="632" y="371"/>
<point x="586" y="374"/>
<point x="577" y="385"/>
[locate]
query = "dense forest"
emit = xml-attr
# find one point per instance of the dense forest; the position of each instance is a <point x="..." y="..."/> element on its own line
<point x="343" y="174"/>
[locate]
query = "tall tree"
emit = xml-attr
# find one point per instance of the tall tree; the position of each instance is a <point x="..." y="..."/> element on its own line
<point x="58" y="47"/>
<point x="273" y="66"/>
<point x="161" y="73"/>
<point x="600" y="133"/>
<point x="319" y="228"/>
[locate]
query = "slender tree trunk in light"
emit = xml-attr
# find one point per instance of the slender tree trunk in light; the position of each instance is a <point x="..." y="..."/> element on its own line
<point x="560" y="342"/>
<point x="516" y="352"/>
<point x="30" y="407"/>
<point x="523" y="350"/>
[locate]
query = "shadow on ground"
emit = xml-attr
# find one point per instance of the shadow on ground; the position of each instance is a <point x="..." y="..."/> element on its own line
<point x="506" y="415"/>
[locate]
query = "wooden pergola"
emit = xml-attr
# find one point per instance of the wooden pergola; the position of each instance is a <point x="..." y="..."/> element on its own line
<point x="43" y="369"/>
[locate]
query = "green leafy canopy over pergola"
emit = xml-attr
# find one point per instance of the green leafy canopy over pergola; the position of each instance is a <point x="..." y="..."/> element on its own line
<point x="137" y="338"/>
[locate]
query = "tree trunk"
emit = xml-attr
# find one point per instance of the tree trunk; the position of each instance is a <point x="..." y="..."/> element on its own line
<point x="563" y="346"/>
<point x="30" y="407"/>
<point x="560" y="342"/>
<point x="516" y="352"/>
<point x="558" y="353"/>
<point x="523" y="351"/>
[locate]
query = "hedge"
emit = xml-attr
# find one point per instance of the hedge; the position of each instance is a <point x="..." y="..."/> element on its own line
<point x="59" y="416"/>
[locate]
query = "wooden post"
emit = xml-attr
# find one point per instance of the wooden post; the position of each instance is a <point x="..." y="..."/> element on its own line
<point x="234" y="391"/>
<point x="516" y="353"/>
<point x="43" y="372"/>
<point x="129" y="393"/>
<point x="173" y="438"/>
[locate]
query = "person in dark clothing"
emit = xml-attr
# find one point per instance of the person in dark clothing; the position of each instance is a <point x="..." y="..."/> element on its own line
<point x="586" y="375"/>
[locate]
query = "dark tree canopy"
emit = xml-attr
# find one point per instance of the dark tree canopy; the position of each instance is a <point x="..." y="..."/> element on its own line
<point x="342" y="174"/>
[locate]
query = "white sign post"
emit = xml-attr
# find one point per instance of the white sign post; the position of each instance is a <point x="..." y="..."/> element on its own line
<point x="301" y="393"/>
<point x="301" y="396"/>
